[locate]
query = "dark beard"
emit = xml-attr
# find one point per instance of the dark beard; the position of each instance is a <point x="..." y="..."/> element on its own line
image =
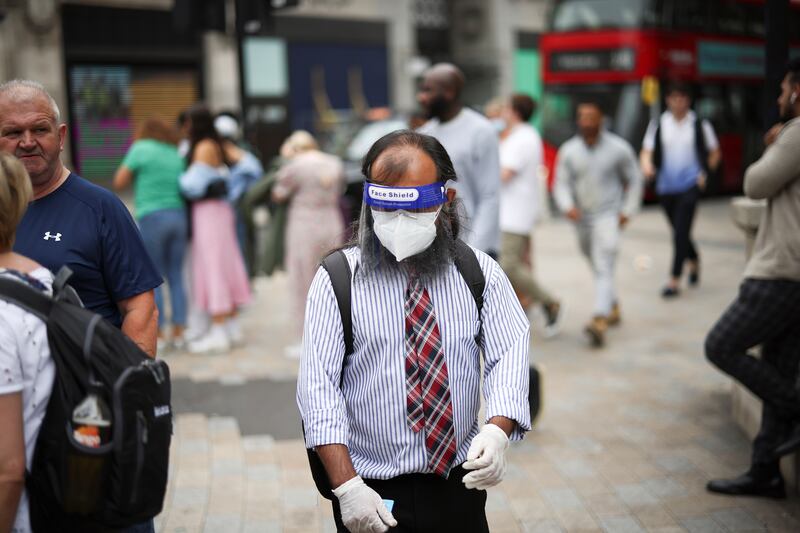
<point x="787" y="115"/>
<point x="437" y="108"/>
<point x="427" y="264"/>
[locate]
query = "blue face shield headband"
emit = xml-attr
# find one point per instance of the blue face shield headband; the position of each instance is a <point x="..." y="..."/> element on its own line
<point x="406" y="198"/>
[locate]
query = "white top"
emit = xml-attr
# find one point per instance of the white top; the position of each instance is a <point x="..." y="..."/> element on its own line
<point x="471" y="141"/>
<point x="680" y="165"/>
<point x="26" y="366"/>
<point x="521" y="151"/>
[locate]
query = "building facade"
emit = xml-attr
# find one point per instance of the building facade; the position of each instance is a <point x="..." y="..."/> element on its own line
<point x="111" y="63"/>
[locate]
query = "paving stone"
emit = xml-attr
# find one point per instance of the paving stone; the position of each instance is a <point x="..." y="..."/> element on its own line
<point x="702" y="524"/>
<point x="542" y="526"/>
<point x="635" y="495"/>
<point x="189" y="498"/>
<point x="263" y="527"/>
<point x="738" y="520"/>
<point x="294" y="499"/>
<point x="560" y="499"/>
<point x="621" y="524"/>
<point x="664" y="488"/>
<point x="223" y="523"/>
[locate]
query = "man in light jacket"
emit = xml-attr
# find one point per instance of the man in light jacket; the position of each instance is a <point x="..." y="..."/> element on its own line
<point x="767" y="310"/>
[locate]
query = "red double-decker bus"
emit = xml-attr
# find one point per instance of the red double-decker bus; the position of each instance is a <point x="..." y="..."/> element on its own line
<point x="619" y="52"/>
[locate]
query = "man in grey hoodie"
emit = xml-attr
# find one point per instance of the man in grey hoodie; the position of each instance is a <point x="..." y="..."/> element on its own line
<point x="598" y="187"/>
<point x="767" y="309"/>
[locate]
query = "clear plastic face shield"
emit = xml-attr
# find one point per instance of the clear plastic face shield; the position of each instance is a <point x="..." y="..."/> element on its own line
<point x="405" y="217"/>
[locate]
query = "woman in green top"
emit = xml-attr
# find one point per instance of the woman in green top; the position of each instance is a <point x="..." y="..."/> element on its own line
<point x="153" y="165"/>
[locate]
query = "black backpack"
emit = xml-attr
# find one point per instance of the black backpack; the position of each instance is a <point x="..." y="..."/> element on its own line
<point x="91" y="355"/>
<point x="339" y="271"/>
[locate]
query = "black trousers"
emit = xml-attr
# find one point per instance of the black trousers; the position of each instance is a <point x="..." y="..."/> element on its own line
<point x="766" y="312"/>
<point x="680" y="209"/>
<point x="427" y="503"/>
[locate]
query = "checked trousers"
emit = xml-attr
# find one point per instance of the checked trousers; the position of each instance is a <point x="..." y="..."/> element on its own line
<point x="766" y="312"/>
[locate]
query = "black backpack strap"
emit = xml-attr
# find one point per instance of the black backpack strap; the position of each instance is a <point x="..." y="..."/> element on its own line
<point x="700" y="145"/>
<point x="26" y="297"/>
<point x="658" y="148"/>
<point x="64" y="292"/>
<point x="339" y="271"/>
<point x="467" y="264"/>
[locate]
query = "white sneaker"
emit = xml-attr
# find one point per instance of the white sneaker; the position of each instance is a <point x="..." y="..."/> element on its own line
<point x="295" y="351"/>
<point x="215" y="341"/>
<point x="178" y="344"/>
<point x="233" y="328"/>
<point x="162" y="345"/>
<point x="554" y="317"/>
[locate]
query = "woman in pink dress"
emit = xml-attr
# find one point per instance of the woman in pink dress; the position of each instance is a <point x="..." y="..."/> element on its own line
<point x="312" y="182"/>
<point x="219" y="281"/>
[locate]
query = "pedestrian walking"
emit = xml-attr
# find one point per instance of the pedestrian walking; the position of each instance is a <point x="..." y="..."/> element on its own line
<point x="153" y="166"/>
<point x="219" y="279"/>
<point x="598" y="187"/>
<point x="471" y="141"/>
<point x="521" y="157"/>
<point x="399" y="420"/>
<point x="24" y="354"/>
<point x="72" y="222"/>
<point x="312" y="183"/>
<point x="246" y="170"/>
<point x="680" y="151"/>
<point x="767" y="310"/>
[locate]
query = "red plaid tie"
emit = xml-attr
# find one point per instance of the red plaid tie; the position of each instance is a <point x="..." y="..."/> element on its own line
<point x="427" y="385"/>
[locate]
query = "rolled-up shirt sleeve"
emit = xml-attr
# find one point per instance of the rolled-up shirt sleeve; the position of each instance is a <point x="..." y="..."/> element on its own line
<point x="319" y="393"/>
<point x="505" y="343"/>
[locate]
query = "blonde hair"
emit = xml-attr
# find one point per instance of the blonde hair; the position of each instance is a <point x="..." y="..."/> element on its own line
<point x="15" y="193"/>
<point x="298" y="142"/>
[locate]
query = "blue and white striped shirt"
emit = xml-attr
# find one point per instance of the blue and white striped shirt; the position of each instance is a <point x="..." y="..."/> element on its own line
<point x="367" y="412"/>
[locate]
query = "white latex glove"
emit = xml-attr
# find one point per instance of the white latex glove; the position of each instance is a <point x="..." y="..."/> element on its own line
<point x="487" y="458"/>
<point x="363" y="510"/>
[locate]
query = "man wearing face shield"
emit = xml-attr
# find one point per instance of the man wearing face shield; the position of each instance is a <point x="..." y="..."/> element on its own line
<point x="397" y="419"/>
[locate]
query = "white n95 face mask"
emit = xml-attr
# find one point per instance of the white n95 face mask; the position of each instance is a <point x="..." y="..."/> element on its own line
<point x="405" y="234"/>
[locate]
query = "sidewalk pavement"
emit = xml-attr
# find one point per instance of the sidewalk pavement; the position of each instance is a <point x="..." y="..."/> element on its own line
<point x="627" y="438"/>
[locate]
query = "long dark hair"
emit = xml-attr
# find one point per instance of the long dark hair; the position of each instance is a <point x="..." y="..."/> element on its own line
<point x="201" y="127"/>
<point x="373" y="255"/>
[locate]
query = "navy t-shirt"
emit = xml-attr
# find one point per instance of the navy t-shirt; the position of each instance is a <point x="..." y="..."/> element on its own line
<point x="87" y="228"/>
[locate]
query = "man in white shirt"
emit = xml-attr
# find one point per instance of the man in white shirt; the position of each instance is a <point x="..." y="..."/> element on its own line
<point x="471" y="141"/>
<point x="679" y="151"/>
<point x="521" y="155"/>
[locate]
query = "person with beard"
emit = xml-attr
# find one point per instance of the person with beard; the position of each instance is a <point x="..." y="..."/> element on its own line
<point x="598" y="187"/>
<point x="767" y="309"/>
<point x="471" y="140"/>
<point x="416" y="327"/>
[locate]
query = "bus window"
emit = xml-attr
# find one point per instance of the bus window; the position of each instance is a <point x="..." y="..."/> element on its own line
<point x="731" y="17"/>
<point x="570" y="15"/>
<point x="692" y="15"/>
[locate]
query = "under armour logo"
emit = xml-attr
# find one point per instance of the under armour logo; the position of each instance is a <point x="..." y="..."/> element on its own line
<point x="48" y="236"/>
